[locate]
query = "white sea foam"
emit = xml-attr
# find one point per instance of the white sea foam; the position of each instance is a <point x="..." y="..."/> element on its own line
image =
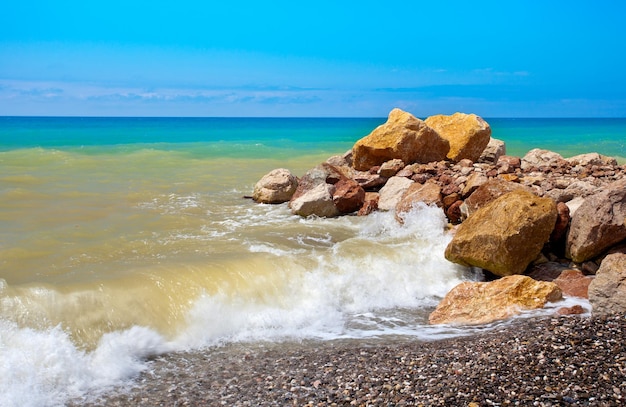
<point x="376" y="282"/>
<point x="354" y="277"/>
<point x="45" y="368"/>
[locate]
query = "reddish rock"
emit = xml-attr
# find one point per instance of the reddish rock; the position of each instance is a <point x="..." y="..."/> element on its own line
<point x="421" y="178"/>
<point x="451" y="189"/>
<point x="574" y="283"/>
<point x="445" y="179"/>
<point x="348" y="196"/>
<point x="450" y="199"/>
<point x="573" y="310"/>
<point x="370" y="204"/>
<point x="454" y="212"/>
<point x="562" y="221"/>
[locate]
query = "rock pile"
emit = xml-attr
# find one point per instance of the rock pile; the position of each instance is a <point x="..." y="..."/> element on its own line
<point x="540" y="214"/>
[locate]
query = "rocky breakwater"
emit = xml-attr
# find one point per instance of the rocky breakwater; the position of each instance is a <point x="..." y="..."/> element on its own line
<point x="539" y="226"/>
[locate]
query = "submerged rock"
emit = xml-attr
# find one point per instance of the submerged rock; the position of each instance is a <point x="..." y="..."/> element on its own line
<point x="468" y="134"/>
<point x="484" y="302"/>
<point x="505" y="235"/>
<point x="404" y="137"/>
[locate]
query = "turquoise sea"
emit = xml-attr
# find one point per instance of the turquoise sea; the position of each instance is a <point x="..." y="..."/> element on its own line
<point x="122" y="238"/>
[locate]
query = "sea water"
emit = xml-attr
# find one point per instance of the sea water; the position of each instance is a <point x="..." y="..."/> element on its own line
<point x="123" y="238"/>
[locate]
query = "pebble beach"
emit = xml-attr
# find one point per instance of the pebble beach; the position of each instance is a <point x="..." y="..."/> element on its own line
<point x="550" y="361"/>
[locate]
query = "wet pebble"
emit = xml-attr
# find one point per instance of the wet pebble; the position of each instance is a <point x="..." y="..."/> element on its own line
<point x="561" y="361"/>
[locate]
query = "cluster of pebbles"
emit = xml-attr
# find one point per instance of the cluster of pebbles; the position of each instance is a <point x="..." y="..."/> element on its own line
<point x="555" y="361"/>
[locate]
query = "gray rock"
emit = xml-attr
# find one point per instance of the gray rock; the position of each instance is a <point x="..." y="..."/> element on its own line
<point x="607" y="291"/>
<point x="275" y="187"/>
<point x="598" y="223"/>
<point x="392" y="192"/>
<point x="317" y="201"/>
<point x="537" y="158"/>
<point x="494" y="150"/>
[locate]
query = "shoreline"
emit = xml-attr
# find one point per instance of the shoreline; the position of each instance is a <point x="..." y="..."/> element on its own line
<point x="546" y="361"/>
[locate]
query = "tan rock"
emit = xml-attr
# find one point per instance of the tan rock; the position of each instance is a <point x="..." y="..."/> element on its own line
<point x="607" y="292"/>
<point x="392" y="192"/>
<point x="506" y="235"/>
<point x="509" y="177"/>
<point x="488" y="192"/>
<point x="403" y="136"/>
<point x="481" y="303"/>
<point x="275" y="187"/>
<point x="598" y="223"/>
<point x="468" y="134"/>
<point x="475" y="180"/>
<point x="390" y="168"/>
<point x="428" y="193"/>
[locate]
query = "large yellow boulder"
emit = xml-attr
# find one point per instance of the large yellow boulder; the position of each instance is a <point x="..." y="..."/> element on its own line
<point x="468" y="134"/>
<point x="505" y="235"/>
<point x="472" y="303"/>
<point x="403" y="136"/>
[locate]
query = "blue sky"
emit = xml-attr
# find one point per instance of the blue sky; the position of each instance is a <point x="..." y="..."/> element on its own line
<point x="313" y="58"/>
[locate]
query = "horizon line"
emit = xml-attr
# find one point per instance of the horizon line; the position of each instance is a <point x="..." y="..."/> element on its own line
<point x="289" y="117"/>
